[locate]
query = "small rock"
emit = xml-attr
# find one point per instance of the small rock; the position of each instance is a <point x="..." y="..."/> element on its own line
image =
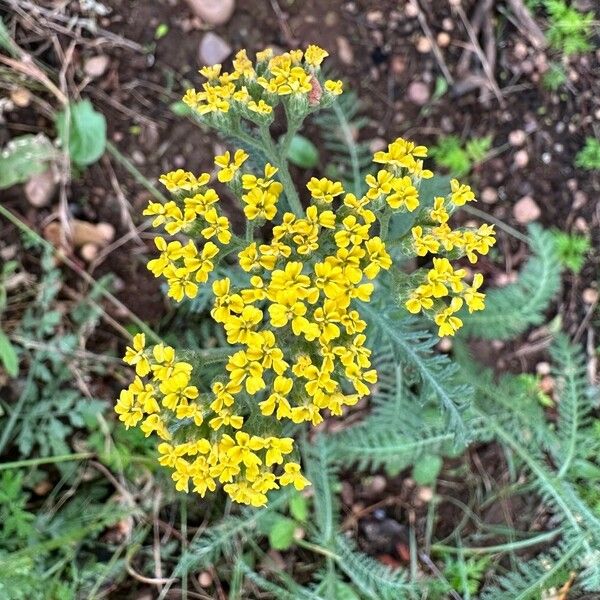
<point x="96" y="66"/>
<point x="377" y="484"/>
<point x="581" y="225"/>
<point x="425" y="494"/>
<point x="398" y="64"/>
<point x="138" y="157"/>
<point x="213" y="49"/>
<point x="418" y="93"/>
<point x="205" y="579"/>
<point x="543" y="368"/>
<point x="213" y="12"/>
<point x="579" y="199"/>
<point x="377" y="144"/>
<point x="331" y="18"/>
<point x="40" y="189"/>
<point x="410" y="10"/>
<point x="423" y="45"/>
<point x="517" y="138"/>
<point x="374" y="17"/>
<point x="520" y="50"/>
<point x="526" y="210"/>
<point x="89" y="252"/>
<point x="521" y="159"/>
<point x="443" y="39"/>
<point x="590" y="295"/>
<point x="88" y="233"/>
<point x="344" y="50"/>
<point x="445" y="345"/>
<point x="489" y="195"/>
<point x="447" y="24"/>
<point x="21" y="97"/>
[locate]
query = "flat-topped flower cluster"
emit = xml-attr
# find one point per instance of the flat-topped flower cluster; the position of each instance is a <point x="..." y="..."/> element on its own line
<point x="292" y="312"/>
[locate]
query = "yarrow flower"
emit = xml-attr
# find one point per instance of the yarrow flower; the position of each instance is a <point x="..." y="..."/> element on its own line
<point x="291" y="309"/>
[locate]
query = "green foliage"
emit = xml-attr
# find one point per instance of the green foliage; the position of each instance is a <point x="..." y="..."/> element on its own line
<point x="569" y="29"/>
<point x="512" y="309"/>
<point x="465" y="575"/>
<point x="82" y="131"/>
<point x="555" y="77"/>
<point x="458" y="158"/>
<point x="589" y="156"/>
<point x="50" y="405"/>
<point x="571" y="249"/>
<point x="281" y="535"/>
<point x="340" y="128"/>
<point x="24" y="157"/>
<point x="302" y="152"/>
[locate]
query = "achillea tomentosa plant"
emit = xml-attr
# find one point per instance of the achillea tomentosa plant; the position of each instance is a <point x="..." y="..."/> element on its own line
<point x="291" y="310"/>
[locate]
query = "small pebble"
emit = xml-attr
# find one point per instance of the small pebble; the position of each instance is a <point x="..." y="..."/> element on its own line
<point x="543" y="368"/>
<point x="579" y="199"/>
<point x="425" y="494"/>
<point x="418" y="93"/>
<point x="447" y="24"/>
<point x="517" y="138"/>
<point x="423" y="45"/>
<point x="410" y="10"/>
<point x="581" y="225"/>
<point x="213" y="49"/>
<point x="88" y="252"/>
<point x="590" y="295"/>
<point x="96" y="66"/>
<point x="489" y="195"/>
<point x="377" y="144"/>
<point x="526" y="210"/>
<point x="205" y="579"/>
<point x="374" y="17"/>
<point x="377" y="484"/>
<point x="331" y="19"/>
<point x="344" y="50"/>
<point x="443" y="39"/>
<point x="213" y="12"/>
<point x="520" y="50"/>
<point x="40" y="189"/>
<point x="398" y="64"/>
<point x="445" y="345"/>
<point x="521" y="159"/>
<point x="21" y="97"/>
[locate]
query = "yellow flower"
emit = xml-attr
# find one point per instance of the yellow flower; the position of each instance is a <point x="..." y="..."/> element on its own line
<point x="400" y="153"/>
<point x="314" y="55"/>
<point x="135" y="356"/>
<point x="200" y="203"/>
<point x="439" y="213"/>
<point x="460" y="193"/>
<point x="424" y="243"/>
<point x="446" y="321"/>
<point x="404" y="194"/>
<point x="260" y="107"/>
<point x="176" y="180"/>
<point x="293" y="476"/>
<point x="229" y="167"/>
<point x="211" y="72"/>
<point x="180" y="283"/>
<point x="420" y="299"/>
<point x="382" y="184"/>
<point x="241" y="329"/>
<point x="217" y="226"/>
<point x="260" y="204"/>
<point x="334" y="87"/>
<point x="324" y="189"/>
<point x="474" y="299"/>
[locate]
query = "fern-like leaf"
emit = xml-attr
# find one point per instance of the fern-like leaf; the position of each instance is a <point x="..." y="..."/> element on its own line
<point x="340" y="127"/>
<point x="512" y="309"/>
<point x="532" y="577"/>
<point x="373" y="579"/>
<point x="437" y="373"/>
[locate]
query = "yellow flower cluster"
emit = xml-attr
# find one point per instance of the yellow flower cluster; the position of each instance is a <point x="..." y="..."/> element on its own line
<point x="162" y="395"/>
<point x="291" y="313"/>
<point x="254" y="89"/>
<point x="443" y="281"/>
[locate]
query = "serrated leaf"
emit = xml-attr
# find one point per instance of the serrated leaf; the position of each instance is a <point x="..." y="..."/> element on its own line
<point x="8" y="356"/>
<point x="24" y="157"/>
<point x="303" y="153"/>
<point x="281" y="536"/>
<point x="83" y="134"/>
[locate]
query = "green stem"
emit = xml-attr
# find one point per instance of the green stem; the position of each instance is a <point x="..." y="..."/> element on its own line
<point x="384" y="223"/>
<point x="498" y="548"/>
<point x="249" y="231"/>
<point x="35" y="462"/>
